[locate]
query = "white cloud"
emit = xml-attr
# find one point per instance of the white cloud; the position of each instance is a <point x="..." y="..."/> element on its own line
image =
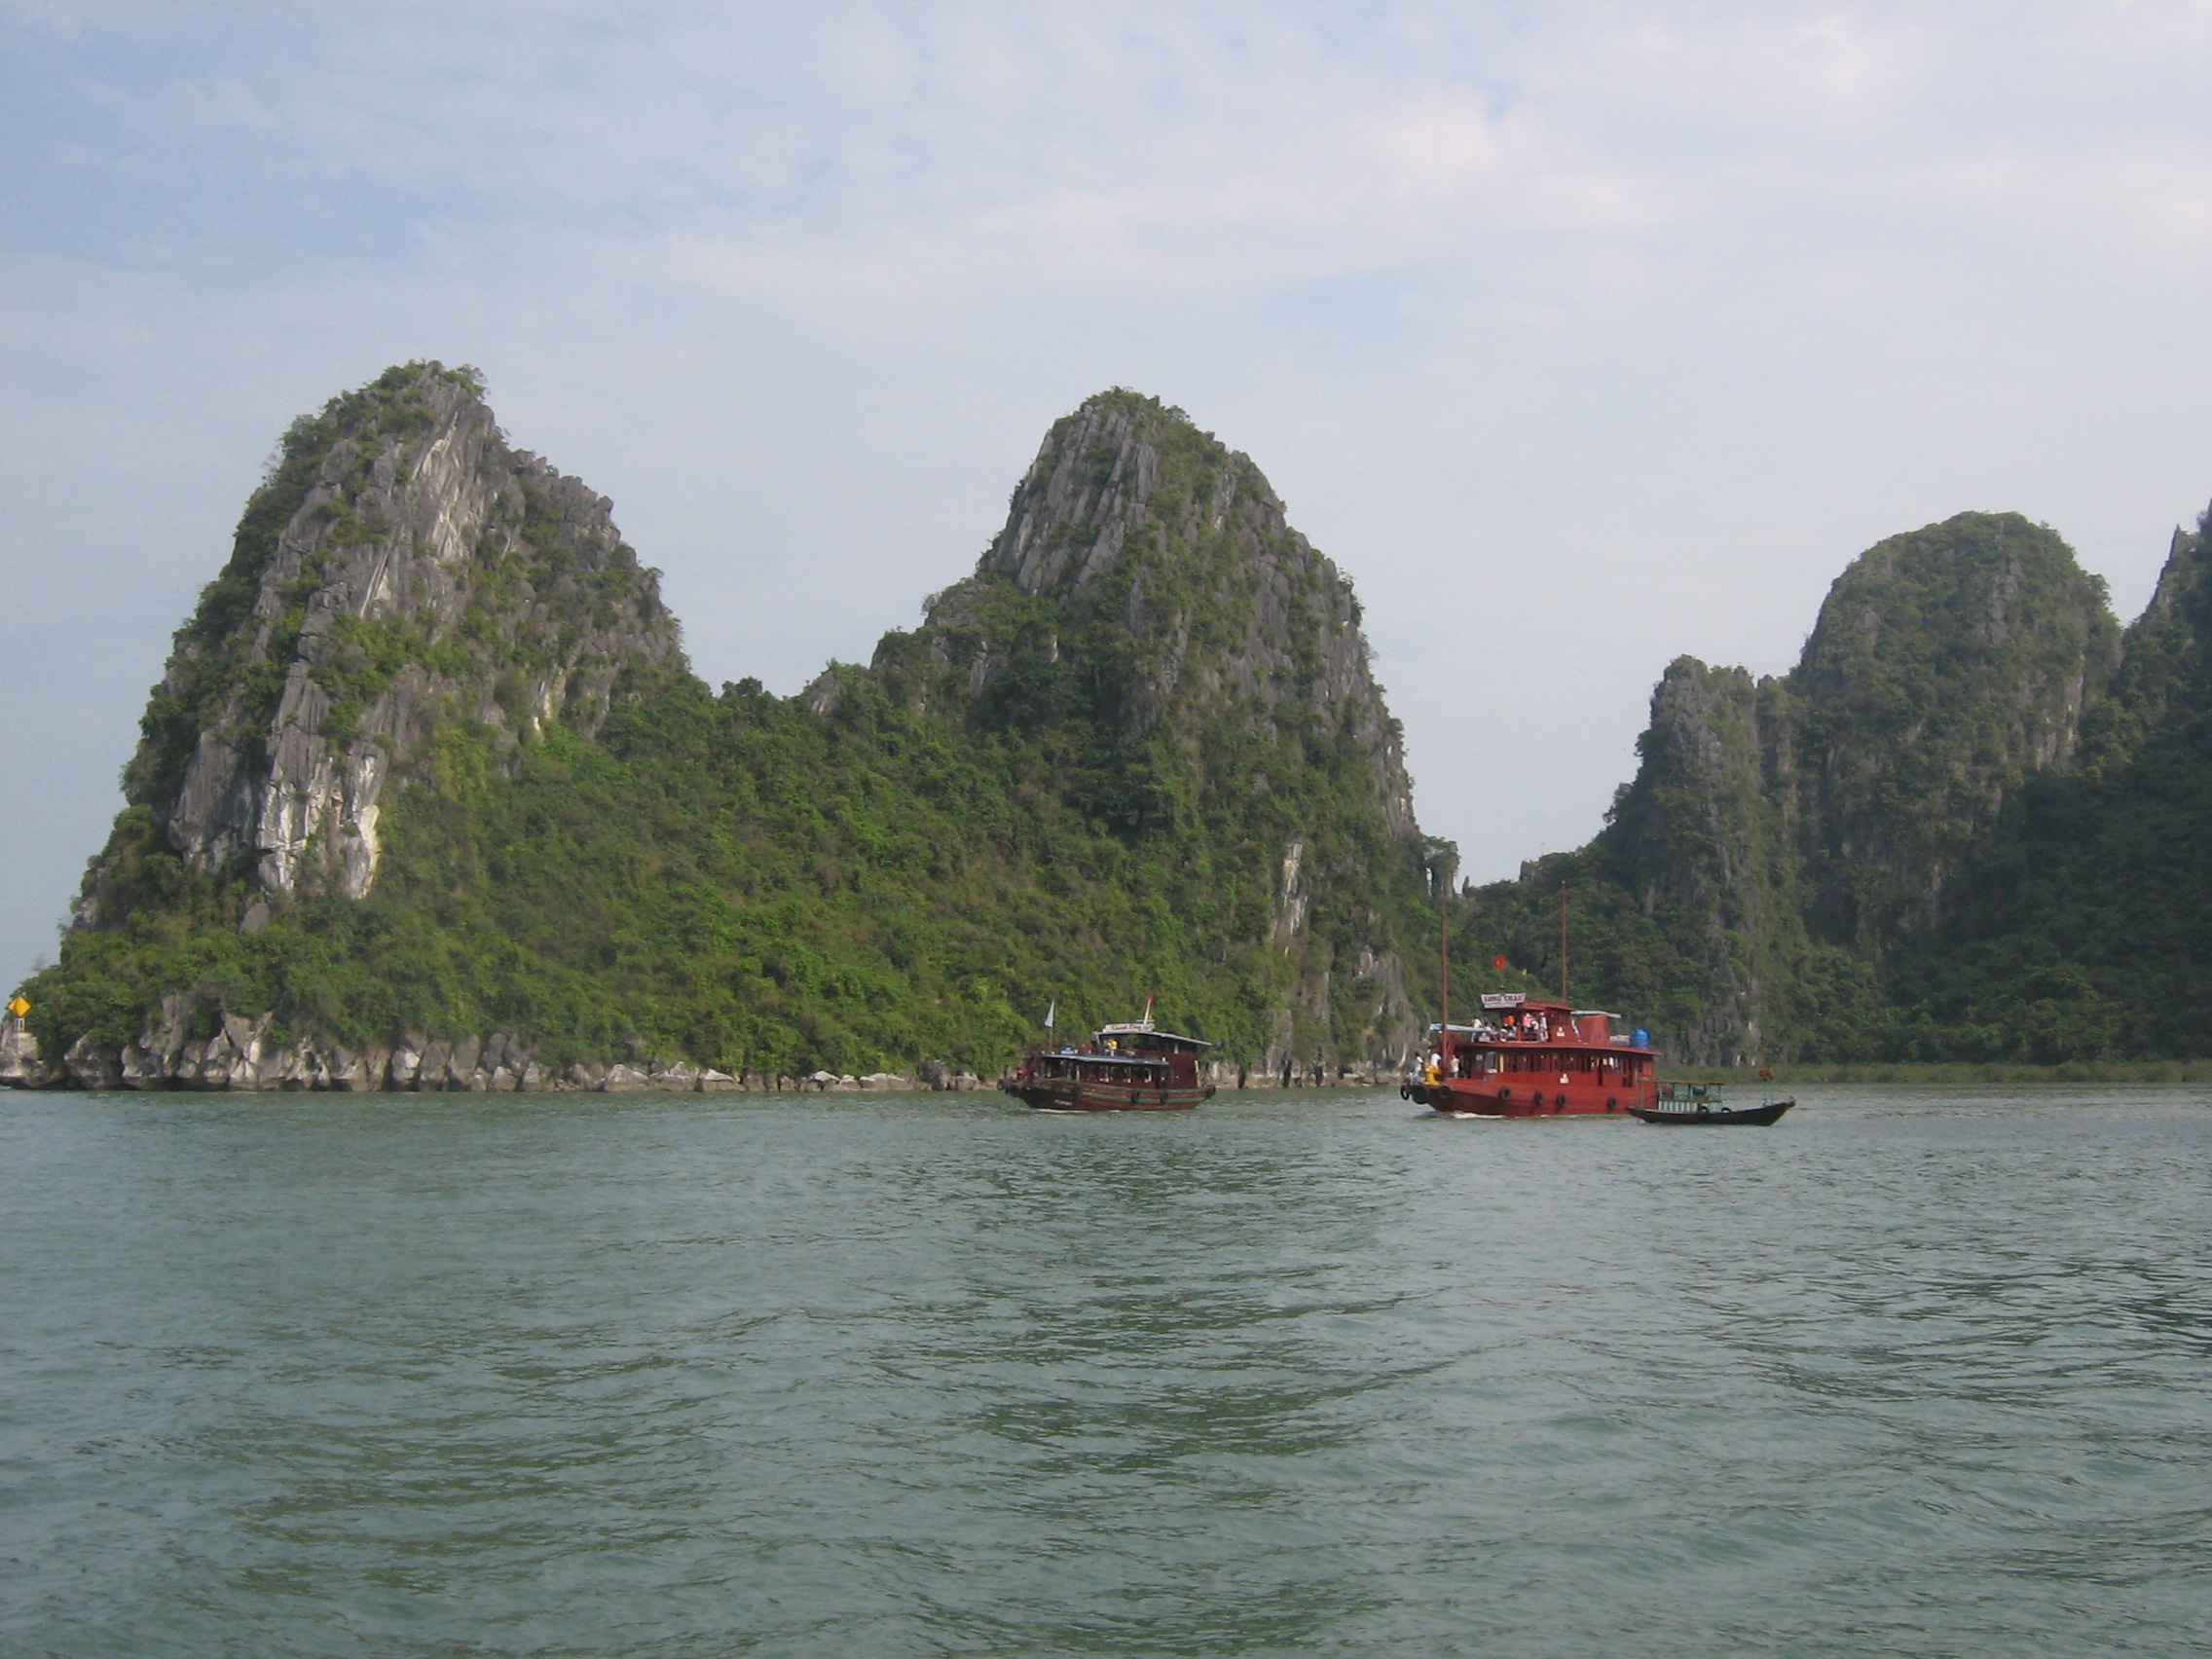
<point x="1645" y="316"/>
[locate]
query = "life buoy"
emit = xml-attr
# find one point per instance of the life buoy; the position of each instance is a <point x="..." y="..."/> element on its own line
<point x="1505" y="1094"/>
<point x="1703" y="1110"/>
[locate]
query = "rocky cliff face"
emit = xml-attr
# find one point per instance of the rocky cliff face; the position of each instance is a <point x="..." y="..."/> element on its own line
<point x="1147" y="585"/>
<point x="1948" y="668"/>
<point x="1704" y="839"/>
<point x="1170" y="558"/>
<point x="2081" y="928"/>
<point x="2165" y="655"/>
<point x="400" y="567"/>
<point x="1230" y="606"/>
<point x="1787" y="835"/>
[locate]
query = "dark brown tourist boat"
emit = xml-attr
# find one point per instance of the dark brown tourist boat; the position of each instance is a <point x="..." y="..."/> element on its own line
<point x="1123" y="1068"/>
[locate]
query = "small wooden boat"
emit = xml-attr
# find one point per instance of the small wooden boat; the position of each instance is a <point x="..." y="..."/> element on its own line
<point x="1705" y="1113"/>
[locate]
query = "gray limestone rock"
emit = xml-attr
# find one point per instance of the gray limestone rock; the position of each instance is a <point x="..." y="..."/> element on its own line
<point x="92" y="1067"/>
<point x="406" y="1063"/>
<point x="354" y="1073"/>
<point x="431" y="1074"/>
<point x="285" y="1066"/>
<point x="406" y="507"/>
<point x="150" y="1062"/>
<point x="1089" y="495"/>
<point x="142" y="1069"/>
<point x="461" y="1063"/>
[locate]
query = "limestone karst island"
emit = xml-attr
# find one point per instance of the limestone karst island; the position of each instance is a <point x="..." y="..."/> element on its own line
<point x="429" y="798"/>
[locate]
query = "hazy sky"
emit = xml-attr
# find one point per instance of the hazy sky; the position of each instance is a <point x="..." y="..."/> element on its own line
<point x="1581" y="336"/>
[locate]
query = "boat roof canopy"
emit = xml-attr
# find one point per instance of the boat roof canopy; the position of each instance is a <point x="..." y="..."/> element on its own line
<point x="1154" y="1036"/>
<point x="1132" y="1059"/>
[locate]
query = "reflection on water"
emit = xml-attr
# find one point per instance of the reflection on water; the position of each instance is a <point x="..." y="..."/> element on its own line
<point x="1916" y="1372"/>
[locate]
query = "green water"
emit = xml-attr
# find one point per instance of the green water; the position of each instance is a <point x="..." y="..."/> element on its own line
<point x="1920" y="1372"/>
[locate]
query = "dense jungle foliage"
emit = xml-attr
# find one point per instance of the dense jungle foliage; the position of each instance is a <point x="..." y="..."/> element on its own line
<point x="1970" y="826"/>
<point x="741" y="881"/>
<point x="2083" y="927"/>
<point x="1012" y="807"/>
<point x="1137" y="752"/>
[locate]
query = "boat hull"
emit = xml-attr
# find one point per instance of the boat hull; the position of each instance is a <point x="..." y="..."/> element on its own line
<point x="1719" y="1116"/>
<point x="1473" y="1097"/>
<point x="1064" y="1094"/>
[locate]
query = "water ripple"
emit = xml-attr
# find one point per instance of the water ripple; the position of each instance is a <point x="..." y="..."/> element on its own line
<point x="1916" y="1372"/>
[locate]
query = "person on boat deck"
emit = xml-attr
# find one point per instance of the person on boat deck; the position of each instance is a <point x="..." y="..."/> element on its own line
<point x="1432" y="1071"/>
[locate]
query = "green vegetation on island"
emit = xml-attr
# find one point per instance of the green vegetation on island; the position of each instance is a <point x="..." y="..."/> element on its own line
<point x="1968" y="828"/>
<point x="427" y="763"/>
<point x="1137" y="751"/>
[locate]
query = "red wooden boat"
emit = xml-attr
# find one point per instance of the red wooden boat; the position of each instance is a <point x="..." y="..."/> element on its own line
<point x="1528" y="1058"/>
<point x="1123" y="1068"/>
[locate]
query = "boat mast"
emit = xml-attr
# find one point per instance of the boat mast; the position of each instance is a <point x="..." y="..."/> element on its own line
<point x="1563" y="997"/>
<point x="1444" y="975"/>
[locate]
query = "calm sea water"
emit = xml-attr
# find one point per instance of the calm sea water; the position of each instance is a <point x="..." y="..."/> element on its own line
<point x="1917" y="1372"/>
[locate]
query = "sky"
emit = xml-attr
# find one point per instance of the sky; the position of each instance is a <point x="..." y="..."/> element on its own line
<point x="1580" y="336"/>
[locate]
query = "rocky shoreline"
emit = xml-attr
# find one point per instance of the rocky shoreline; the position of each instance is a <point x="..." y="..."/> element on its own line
<point x="243" y="1054"/>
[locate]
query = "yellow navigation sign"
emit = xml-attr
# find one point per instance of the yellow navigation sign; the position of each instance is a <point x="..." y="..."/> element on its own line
<point x="19" y="1005"/>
